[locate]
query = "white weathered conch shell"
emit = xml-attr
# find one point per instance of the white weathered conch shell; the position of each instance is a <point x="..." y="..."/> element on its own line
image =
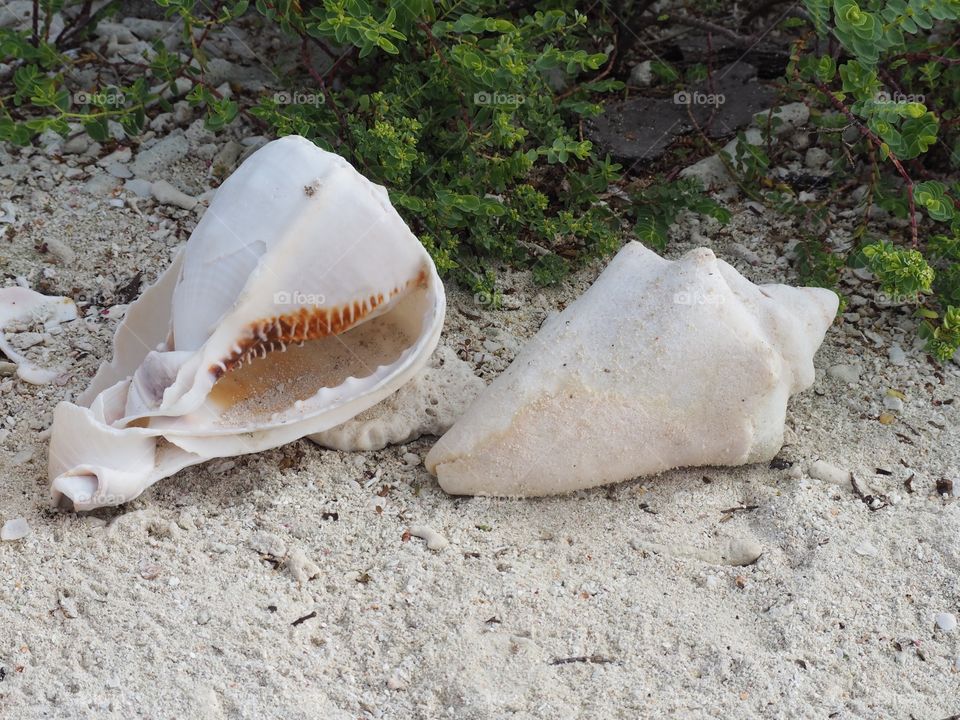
<point x="300" y="300"/>
<point x="658" y="365"/>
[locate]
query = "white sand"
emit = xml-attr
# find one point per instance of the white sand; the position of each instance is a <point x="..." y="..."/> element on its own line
<point x="287" y="584"/>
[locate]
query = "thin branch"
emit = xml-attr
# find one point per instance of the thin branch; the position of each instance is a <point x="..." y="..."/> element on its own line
<point x="927" y="56"/>
<point x="327" y="97"/>
<point x="873" y="138"/>
<point x="740" y="40"/>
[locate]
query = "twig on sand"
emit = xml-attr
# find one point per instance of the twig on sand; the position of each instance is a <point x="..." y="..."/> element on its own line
<point x="739" y="508"/>
<point x="592" y="659"/>
<point x="303" y="619"/>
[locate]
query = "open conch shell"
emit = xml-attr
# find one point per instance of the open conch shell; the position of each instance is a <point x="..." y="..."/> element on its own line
<point x="300" y="300"/>
<point x="659" y="365"/>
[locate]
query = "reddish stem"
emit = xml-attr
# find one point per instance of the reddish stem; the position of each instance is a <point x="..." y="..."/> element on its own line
<point x="873" y="138"/>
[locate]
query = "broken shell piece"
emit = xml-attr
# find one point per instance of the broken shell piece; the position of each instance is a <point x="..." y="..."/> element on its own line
<point x="300" y="300"/>
<point x="660" y="364"/>
<point x="19" y="305"/>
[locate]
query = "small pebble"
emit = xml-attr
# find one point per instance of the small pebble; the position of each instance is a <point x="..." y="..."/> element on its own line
<point x="15" y="529"/>
<point x="139" y="187"/>
<point x="866" y="549"/>
<point x="60" y="251"/>
<point x="828" y="473"/>
<point x="68" y="604"/>
<point x="741" y="551"/>
<point x="641" y="74"/>
<point x="167" y="194"/>
<point x="946" y="622"/>
<point x="268" y="544"/>
<point x="301" y="567"/>
<point x="435" y="541"/>
<point x="845" y="373"/>
<point x="893" y="403"/>
<point x="744" y="253"/>
<point x="816" y="158"/>
<point x="149" y="570"/>
<point x="897" y="355"/>
<point x="411" y="459"/>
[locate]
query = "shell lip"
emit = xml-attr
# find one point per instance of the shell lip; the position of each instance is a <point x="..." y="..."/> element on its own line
<point x="431" y="324"/>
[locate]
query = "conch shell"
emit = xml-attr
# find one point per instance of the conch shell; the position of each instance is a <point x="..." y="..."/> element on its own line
<point x="659" y="365"/>
<point x="300" y="300"/>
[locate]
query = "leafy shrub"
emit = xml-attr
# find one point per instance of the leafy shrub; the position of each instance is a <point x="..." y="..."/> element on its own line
<point x="897" y="81"/>
<point x="471" y="113"/>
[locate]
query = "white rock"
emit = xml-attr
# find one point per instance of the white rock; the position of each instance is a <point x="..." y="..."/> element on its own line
<point x="712" y="171"/>
<point x="825" y="472"/>
<point x="15" y="529"/>
<point x="116" y="31"/>
<point x="148" y="29"/>
<point x="160" y="155"/>
<point x="845" y="373"/>
<point x="122" y="156"/>
<point x="897" y="355"/>
<point x="891" y="402"/>
<point x="101" y="184"/>
<point x="867" y="549"/>
<point x="268" y="544"/>
<point x="601" y="395"/>
<point x="76" y="145"/>
<point x="60" y="251"/>
<point x="300" y="566"/>
<point x="167" y="194"/>
<point x="139" y="187"/>
<point x="946" y="622"/>
<point x="744" y="253"/>
<point x="225" y="160"/>
<point x="791" y="117"/>
<point x="816" y="158"/>
<point x="118" y="170"/>
<point x="641" y="74"/>
<point x="435" y="541"/>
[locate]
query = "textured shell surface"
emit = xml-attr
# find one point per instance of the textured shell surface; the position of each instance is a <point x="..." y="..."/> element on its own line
<point x="300" y="300"/>
<point x="660" y="364"/>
